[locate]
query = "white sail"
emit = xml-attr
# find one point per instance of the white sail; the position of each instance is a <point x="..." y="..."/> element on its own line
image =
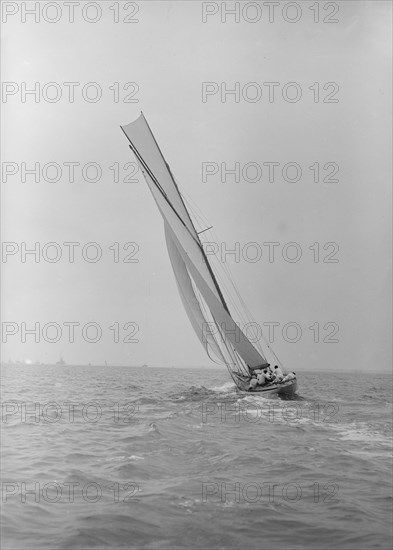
<point x="143" y="141"/>
<point x="229" y="328"/>
<point x="189" y="299"/>
<point x="183" y="236"/>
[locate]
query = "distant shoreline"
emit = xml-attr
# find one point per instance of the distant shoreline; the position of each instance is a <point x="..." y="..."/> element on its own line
<point x="201" y="368"/>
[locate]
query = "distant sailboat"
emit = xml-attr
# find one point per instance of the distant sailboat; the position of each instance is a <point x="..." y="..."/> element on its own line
<point x="61" y="362"/>
<point x="198" y="286"/>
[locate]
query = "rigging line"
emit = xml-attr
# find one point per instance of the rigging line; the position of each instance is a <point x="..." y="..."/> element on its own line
<point x="231" y="300"/>
<point x="247" y="315"/>
<point x="193" y="203"/>
<point x="233" y="303"/>
<point x="272" y="351"/>
<point x="200" y="221"/>
<point x="207" y="229"/>
<point x="240" y="313"/>
<point x="263" y="337"/>
<point x="227" y="272"/>
<point x="197" y="221"/>
<point x="233" y="283"/>
<point x="219" y="266"/>
<point x="224" y="266"/>
<point x="245" y="320"/>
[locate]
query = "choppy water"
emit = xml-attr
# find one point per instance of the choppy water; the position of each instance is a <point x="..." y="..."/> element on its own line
<point x="168" y="458"/>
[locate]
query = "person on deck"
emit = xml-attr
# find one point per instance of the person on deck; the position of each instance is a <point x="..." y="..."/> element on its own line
<point x="263" y="378"/>
<point x="290" y="376"/>
<point x="253" y="383"/>
<point x="269" y="374"/>
<point x="278" y="375"/>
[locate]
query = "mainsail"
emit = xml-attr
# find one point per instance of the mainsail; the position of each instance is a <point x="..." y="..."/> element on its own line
<point x="198" y="287"/>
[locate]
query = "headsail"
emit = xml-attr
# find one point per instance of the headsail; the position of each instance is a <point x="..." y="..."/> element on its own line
<point x="188" y="259"/>
<point x="189" y="299"/>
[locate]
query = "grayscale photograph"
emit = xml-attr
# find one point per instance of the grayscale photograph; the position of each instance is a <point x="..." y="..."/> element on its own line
<point x="196" y="282"/>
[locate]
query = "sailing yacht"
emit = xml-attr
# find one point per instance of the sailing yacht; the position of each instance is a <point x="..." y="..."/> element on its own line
<point x="199" y="289"/>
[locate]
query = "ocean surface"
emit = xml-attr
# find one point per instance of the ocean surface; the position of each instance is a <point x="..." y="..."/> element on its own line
<point x="113" y="457"/>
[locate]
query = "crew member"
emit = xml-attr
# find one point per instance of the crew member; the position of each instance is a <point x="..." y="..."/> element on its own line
<point x="278" y="375"/>
<point x="290" y="376"/>
<point x="263" y="378"/>
<point x="253" y="383"/>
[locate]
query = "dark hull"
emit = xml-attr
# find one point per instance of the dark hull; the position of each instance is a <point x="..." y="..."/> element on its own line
<point x="285" y="388"/>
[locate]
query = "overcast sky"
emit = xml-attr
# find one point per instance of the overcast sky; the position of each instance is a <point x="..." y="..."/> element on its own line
<point x="169" y="53"/>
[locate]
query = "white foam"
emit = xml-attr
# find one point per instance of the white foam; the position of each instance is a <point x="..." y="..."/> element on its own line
<point x="225" y="388"/>
<point x="360" y="432"/>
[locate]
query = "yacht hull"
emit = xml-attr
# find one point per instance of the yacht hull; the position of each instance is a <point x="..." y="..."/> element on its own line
<point x="285" y="388"/>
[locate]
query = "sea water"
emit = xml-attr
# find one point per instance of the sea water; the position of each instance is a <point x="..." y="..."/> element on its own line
<point x="115" y="457"/>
